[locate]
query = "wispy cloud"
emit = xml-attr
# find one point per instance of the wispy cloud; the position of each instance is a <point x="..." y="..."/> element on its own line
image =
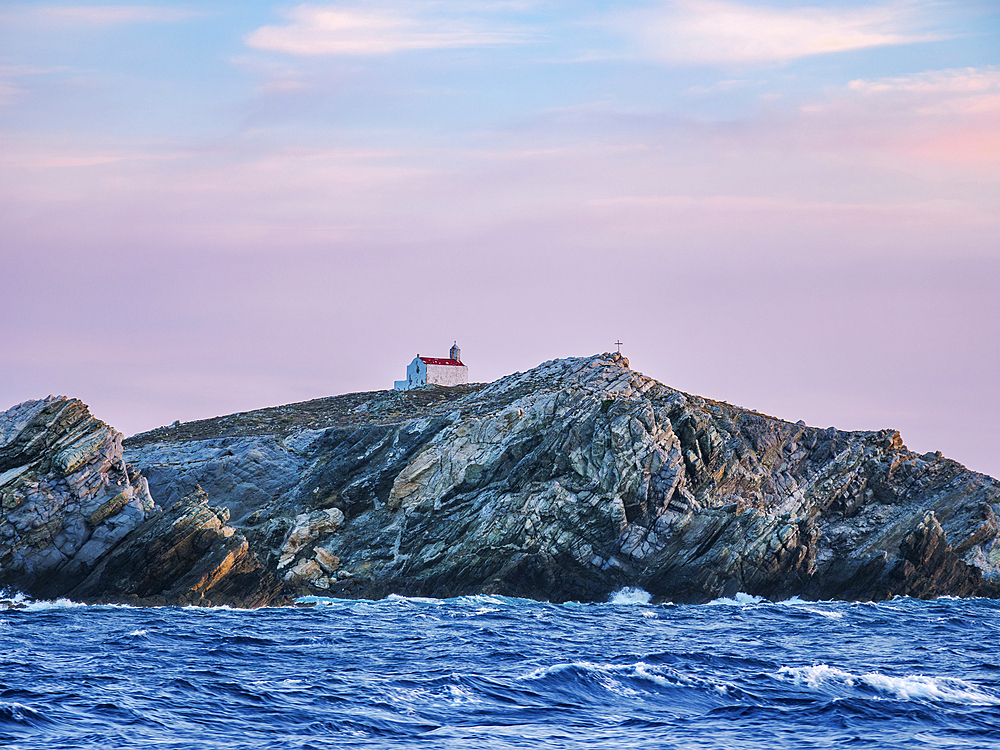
<point x="9" y="90"/>
<point x="327" y="30"/>
<point x="945" y="118"/>
<point x="911" y="210"/>
<point x="969" y="91"/>
<point x="107" y="15"/>
<point x="963" y="94"/>
<point x="715" y="31"/>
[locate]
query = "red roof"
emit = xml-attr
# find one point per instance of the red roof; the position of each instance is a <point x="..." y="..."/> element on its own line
<point x="439" y="361"/>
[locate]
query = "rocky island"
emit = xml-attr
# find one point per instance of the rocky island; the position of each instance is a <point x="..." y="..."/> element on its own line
<point x="567" y="482"/>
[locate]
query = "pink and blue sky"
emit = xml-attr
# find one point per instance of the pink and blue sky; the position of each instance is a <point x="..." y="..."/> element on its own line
<point x="791" y="206"/>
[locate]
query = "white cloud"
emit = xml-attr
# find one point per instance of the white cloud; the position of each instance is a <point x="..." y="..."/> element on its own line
<point x="315" y="30"/>
<point x="715" y="31"/>
<point x="971" y="91"/>
<point x="961" y="81"/>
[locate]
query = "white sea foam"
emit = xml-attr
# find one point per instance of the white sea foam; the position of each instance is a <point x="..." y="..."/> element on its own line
<point x="812" y="607"/>
<point x="138" y="632"/>
<point x="42" y="606"/>
<point x="413" y="599"/>
<point x="213" y="607"/>
<point x="12" y="600"/>
<point x="631" y="595"/>
<point x="324" y="600"/>
<point x="739" y="600"/>
<point x="490" y="600"/>
<point x="942" y="689"/>
<point x="459" y="695"/>
<point x="645" y="672"/>
<point x="907" y="688"/>
<point x="26" y="604"/>
<point x="815" y="675"/>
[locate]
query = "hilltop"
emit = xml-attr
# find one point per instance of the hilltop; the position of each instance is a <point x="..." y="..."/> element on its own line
<point x="569" y="481"/>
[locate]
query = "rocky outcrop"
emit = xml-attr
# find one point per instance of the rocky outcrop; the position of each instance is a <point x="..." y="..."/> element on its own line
<point x="67" y="496"/>
<point x="185" y="555"/>
<point x="77" y="521"/>
<point x="569" y="481"/>
<point x="575" y="479"/>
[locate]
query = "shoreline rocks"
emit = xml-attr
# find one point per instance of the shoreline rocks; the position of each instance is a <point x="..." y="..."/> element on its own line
<point x="567" y="482"/>
<point x="66" y="495"/>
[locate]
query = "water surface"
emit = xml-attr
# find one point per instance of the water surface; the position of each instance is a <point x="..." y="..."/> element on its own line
<point x="490" y="672"/>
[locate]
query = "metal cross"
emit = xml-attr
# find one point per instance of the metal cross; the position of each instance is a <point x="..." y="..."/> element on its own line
<point x="619" y="345"/>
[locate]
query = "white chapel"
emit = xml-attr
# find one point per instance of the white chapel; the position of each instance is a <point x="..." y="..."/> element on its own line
<point x="435" y="371"/>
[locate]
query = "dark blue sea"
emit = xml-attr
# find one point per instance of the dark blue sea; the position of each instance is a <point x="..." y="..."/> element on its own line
<point x="488" y="672"/>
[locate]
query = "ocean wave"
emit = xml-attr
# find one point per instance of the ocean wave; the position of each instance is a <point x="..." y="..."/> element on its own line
<point x="454" y="694"/>
<point x="490" y="601"/>
<point x="630" y="595"/>
<point x="18" y="713"/>
<point x="24" y="603"/>
<point x="45" y="604"/>
<point x="616" y="677"/>
<point x="815" y="608"/>
<point x="402" y="672"/>
<point x="413" y="599"/>
<point x="739" y="600"/>
<point x="907" y="688"/>
<point x="13" y="600"/>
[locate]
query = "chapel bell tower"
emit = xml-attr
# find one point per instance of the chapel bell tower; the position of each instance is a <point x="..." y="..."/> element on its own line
<point x="455" y="352"/>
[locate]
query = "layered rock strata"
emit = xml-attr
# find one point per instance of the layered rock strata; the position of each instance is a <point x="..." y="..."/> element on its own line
<point x="569" y="481"/>
<point x="77" y="521"/>
<point x="67" y="496"/>
<point x="575" y="479"/>
<point x="187" y="554"/>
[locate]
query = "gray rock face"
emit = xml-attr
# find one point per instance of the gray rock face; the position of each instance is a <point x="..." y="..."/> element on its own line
<point x="573" y="480"/>
<point x="66" y="495"/>
<point x="187" y="554"/>
<point x="570" y="481"/>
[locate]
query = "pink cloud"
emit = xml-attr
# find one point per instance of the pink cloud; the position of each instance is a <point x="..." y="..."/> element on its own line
<point x="366" y="30"/>
<point x="107" y="15"/>
<point x="944" y="117"/>
<point x="716" y="31"/>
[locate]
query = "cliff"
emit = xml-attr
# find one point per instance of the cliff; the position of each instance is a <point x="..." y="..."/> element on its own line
<point x="569" y="481"/>
<point x="77" y="521"/>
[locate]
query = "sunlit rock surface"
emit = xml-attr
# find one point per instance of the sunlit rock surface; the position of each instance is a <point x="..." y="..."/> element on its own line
<point x="187" y="554"/>
<point x="567" y="482"/>
<point x="67" y="496"/>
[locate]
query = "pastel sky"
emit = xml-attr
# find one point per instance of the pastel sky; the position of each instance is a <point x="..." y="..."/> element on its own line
<point x="791" y="206"/>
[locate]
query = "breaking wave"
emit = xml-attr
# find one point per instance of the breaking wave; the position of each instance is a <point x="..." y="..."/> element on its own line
<point x="906" y="688"/>
<point x="630" y="595"/>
